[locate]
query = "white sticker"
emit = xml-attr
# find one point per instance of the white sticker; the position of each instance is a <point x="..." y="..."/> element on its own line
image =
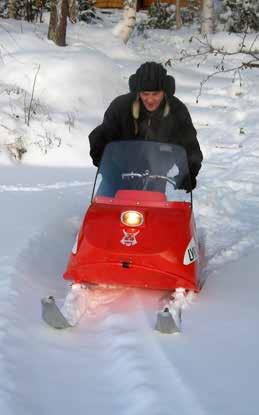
<point x="129" y="238"/>
<point x="74" y="249"/>
<point x="191" y="253"/>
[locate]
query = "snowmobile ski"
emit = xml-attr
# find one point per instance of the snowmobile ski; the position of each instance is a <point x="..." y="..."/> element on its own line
<point x="169" y="319"/>
<point x="52" y="315"/>
<point x="72" y="310"/>
<point x="166" y="323"/>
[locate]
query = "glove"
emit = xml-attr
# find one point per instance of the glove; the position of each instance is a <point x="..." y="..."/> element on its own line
<point x="188" y="183"/>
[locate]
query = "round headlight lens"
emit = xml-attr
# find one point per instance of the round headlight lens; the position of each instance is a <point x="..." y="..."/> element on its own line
<point x="132" y="218"/>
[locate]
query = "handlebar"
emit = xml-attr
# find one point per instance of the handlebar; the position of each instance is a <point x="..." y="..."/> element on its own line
<point x="147" y="175"/>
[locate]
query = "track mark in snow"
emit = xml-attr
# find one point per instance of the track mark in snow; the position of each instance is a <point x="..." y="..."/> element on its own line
<point x="137" y="354"/>
<point x="42" y="187"/>
<point x="173" y="388"/>
<point x="7" y="294"/>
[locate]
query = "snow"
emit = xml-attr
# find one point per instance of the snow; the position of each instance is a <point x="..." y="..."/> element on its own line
<point x="113" y="362"/>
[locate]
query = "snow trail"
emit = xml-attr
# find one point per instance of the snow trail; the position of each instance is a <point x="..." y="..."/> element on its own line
<point x="115" y="346"/>
<point x="113" y="362"/>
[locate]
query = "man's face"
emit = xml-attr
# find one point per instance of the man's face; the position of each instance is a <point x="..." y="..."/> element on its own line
<point x="151" y="99"/>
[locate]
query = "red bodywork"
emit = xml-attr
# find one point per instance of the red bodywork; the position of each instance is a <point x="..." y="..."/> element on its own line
<point x="151" y="255"/>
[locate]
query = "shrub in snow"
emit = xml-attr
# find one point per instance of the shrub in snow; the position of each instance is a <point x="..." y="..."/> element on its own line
<point x="46" y="141"/>
<point x="163" y="16"/>
<point x="30" y="10"/>
<point x="4" y="8"/>
<point x="240" y="15"/>
<point x="87" y="12"/>
<point x="191" y="13"/>
<point x="17" y="149"/>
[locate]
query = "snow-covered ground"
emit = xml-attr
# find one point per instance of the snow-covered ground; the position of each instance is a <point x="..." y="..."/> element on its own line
<point x="113" y="362"/>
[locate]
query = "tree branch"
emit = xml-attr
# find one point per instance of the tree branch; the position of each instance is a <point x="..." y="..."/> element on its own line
<point x="206" y="49"/>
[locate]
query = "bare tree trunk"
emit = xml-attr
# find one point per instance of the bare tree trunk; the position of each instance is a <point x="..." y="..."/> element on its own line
<point x="60" y="11"/>
<point x="39" y="12"/>
<point x="208" y="17"/>
<point x="29" y="15"/>
<point x="126" y="26"/>
<point x="53" y="21"/>
<point x="178" y="18"/>
<point x="11" y="9"/>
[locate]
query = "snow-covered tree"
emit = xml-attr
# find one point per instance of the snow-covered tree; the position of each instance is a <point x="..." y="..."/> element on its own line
<point x="3" y="8"/>
<point x="240" y="15"/>
<point x="169" y="16"/>
<point x="207" y="17"/>
<point x="125" y="27"/>
<point x="161" y="15"/>
<point x="87" y="11"/>
<point x="30" y="10"/>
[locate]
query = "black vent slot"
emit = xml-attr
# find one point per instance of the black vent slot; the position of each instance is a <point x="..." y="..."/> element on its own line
<point x="126" y="264"/>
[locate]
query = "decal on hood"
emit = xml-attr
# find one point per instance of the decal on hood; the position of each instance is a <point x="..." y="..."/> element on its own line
<point x="191" y="253"/>
<point x="74" y="249"/>
<point x="129" y="238"/>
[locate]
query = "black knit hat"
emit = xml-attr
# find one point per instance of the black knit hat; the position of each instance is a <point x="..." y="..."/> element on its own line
<point x="152" y="76"/>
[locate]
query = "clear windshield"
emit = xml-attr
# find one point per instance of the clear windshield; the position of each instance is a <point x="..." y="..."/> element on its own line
<point x="144" y="165"/>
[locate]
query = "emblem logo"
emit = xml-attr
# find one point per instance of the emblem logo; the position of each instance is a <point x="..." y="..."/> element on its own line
<point x="129" y="238"/>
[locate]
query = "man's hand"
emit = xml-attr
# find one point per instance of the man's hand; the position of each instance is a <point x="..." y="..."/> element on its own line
<point x="188" y="183"/>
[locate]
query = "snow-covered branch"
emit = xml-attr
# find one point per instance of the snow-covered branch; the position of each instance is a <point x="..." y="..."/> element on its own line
<point x="247" y="46"/>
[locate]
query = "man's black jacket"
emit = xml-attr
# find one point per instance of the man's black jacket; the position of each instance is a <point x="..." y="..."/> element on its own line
<point x="175" y="128"/>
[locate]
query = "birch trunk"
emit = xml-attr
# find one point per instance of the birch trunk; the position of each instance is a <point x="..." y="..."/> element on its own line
<point x="178" y="18"/>
<point x="208" y="17"/>
<point x="126" y="26"/>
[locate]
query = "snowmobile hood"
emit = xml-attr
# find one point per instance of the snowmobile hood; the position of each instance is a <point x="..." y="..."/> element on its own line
<point x="162" y="227"/>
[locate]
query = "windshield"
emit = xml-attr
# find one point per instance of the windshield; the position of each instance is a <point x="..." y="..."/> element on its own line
<point x="143" y="165"/>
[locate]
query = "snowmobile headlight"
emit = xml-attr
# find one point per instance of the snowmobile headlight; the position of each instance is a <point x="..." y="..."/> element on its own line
<point x="132" y="218"/>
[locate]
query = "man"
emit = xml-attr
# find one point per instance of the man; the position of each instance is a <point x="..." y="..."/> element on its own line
<point x="149" y="111"/>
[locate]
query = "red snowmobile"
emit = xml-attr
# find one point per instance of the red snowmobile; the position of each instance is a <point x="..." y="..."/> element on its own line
<point x="139" y="230"/>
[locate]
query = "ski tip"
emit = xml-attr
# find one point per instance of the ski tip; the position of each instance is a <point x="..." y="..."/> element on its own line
<point x="52" y="315"/>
